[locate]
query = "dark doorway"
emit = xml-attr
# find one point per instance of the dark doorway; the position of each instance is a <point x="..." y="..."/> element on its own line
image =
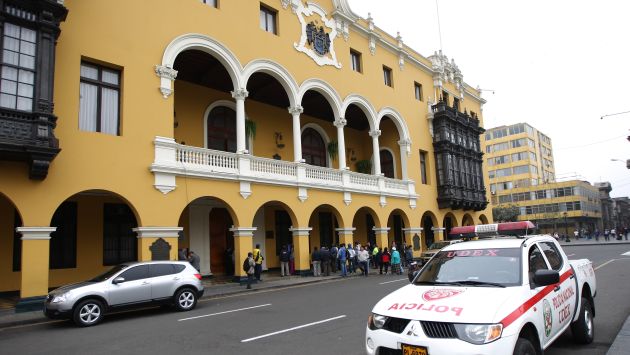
<point x="448" y="225"/>
<point x="398" y="230"/>
<point x="221" y="241"/>
<point x="387" y="163"/>
<point x="17" y="242"/>
<point x="283" y="234"/>
<point x="222" y="129"/>
<point x="313" y="148"/>
<point x="325" y="229"/>
<point x="429" y="238"/>
<point x="369" y="225"/>
<point x="120" y="243"/>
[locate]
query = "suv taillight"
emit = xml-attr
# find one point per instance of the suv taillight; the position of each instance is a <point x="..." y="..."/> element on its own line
<point x="198" y="276"/>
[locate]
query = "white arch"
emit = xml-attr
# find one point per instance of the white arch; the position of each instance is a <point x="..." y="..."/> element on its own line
<point x="324" y="135"/>
<point x="275" y="70"/>
<point x="212" y="106"/>
<point x="326" y="90"/>
<point x="393" y="159"/>
<point x="399" y="122"/>
<point x="206" y="44"/>
<point x="364" y="105"/>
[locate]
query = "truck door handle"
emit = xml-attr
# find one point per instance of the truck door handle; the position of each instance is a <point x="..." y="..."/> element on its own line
<point x="176" y="278"/>
<point x="145" y="282"/>
<point x="556" y="289"/>
<point x="572" y="276"/>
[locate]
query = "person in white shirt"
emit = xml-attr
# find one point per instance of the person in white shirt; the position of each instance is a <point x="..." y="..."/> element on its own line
<point x="364" y="258"/>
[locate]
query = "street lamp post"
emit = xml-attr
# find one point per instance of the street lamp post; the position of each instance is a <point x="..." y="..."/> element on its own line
<point x="566" y="228"/>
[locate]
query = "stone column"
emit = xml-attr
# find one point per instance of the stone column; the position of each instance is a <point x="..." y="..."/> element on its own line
<point x="405" y="146"/>
<point x="382" y="237"/>
<point x="240" y="95"/>
<point x="295" y="112"/>
<point x="243" y="244"/>
<point x="345" y="235"/>
<point x="438" y="233"/>
<point x="409" y="234"/>
<point x="340" y="123"/>
<point x="34" y="268"/>
<point x="375" y="147"/>
<point x="301" y="250"/>
<point x="147" y="236"/>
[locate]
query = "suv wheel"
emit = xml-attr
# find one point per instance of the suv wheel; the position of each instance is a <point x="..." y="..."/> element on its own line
<point x="88" y="312"/>
<point x="185" y="299"/>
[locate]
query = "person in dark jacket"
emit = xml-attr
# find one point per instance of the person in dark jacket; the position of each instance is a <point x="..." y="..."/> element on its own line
<point x="316" y="258"/>
<point x="325" y="258"/>
<point x="333" y="257"/>
<point x="284" y="261"/>
<point x="385" y="261"/>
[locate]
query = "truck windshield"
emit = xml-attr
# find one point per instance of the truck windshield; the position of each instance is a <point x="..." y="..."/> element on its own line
<point x="475" y="267"/>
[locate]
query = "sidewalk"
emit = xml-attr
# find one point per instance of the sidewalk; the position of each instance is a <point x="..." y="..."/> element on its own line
<point x="585" y="241"/>
<point x="214" y="288"/>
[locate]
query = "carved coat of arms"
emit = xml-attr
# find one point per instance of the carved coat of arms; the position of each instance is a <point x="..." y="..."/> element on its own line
<point x="318" y="34"/>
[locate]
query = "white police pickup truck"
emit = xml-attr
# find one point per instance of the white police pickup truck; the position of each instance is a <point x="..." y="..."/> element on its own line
<point x="506" y="295"/>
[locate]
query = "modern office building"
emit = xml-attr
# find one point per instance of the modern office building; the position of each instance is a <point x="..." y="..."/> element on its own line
<point x="132" y="129"/>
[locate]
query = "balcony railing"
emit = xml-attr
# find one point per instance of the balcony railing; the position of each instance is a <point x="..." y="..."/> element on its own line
<point x="173" y="159"/>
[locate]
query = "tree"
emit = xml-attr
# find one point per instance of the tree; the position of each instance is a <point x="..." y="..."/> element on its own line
<point x="508" y="213"/>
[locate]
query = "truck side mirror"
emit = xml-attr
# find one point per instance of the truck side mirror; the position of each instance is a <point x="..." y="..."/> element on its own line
<point x="546" y="277"/>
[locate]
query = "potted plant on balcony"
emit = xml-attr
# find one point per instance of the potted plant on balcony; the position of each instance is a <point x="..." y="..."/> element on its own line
<point x="250" y="129"/>
<point x="364" y="166"/>
<point x="333" y="150"/>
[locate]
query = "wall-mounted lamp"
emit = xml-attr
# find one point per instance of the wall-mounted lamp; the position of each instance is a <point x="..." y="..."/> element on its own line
<point x="277" y="156"/>
<point x="351" y="154"/>
<point x="279" y="143"/>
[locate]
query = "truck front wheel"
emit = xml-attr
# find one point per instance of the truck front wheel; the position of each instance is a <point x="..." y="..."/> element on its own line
<point x="524" y="347"/>
<point x="583" y="328"/>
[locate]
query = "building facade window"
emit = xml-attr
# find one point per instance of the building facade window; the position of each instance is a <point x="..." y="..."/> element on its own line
<point x="268" y="18"/>
<point x="99" y="108"/>
<point x="355" y="59"/>
<point x="387" y="76"/>
<point x="387" y="163"/>
<point x="423" y="167"/>
<point x="313" y="148"/>
<point x="417" y="89"/>
<point x="63" y="241"/>
<point x="18" y="67"/>
<point x="221" y="132"/>
<point x="119" y="242"/>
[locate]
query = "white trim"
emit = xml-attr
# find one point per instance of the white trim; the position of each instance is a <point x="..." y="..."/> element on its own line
<point x="35" y="233"/>
<point x="301" y="232"/>
<point x="228" y="104"/>
<point x="326" y="90"/>
<point x="324" y="136"/>
<point x="243" y="231"/>
<point x="365" y="106"/>
<point x="345" y="231"/>
<point x="381" y="230"/>
<point x="158" y="232"/>
<point x="413" y="230"/>
<point x="397" y="118"/>
<point x="278" y="72"/>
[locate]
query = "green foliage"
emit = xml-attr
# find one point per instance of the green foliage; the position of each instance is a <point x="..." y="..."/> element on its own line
<point x="333" y="150"/>
<point x="364" y="166"/>
<point x="250" y="129"/>
<point x="508" y="213"/>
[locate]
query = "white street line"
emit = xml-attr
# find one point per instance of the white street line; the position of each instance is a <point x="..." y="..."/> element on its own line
<point x="234" y="310"/>
<point x="604" y="264"/>
<point x="570" y="255"/>
<point x="383" y="283"/>
<point x="626" y="254"/>
<point x="291" y="329"/>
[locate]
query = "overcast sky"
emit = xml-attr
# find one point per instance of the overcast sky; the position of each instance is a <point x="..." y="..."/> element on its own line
<point x="558" y="65"/>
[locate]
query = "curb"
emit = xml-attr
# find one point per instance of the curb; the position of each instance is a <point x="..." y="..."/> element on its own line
<point x="622" y="341"/>
<point x="575" y="244"/>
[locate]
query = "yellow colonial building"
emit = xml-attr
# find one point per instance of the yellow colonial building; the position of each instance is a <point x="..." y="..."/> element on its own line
<point x="132" y="129"/>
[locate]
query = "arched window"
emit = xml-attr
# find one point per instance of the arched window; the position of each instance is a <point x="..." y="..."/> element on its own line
<point x="313" y="148"/>
<point x="387" y="163"/>
<point x="222" y="129"/>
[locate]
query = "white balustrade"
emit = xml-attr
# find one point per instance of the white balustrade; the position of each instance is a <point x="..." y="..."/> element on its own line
<point x="173" y="159"/>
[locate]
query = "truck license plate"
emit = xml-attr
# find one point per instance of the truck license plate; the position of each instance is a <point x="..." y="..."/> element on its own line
<point x="414" y="350"/>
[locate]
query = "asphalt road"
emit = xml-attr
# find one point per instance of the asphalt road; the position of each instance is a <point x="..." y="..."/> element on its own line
<point x="322" y="318"/>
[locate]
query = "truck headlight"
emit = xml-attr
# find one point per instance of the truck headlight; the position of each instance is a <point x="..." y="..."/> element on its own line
<point x="376" y="321"/>
<point x="479" y="333"/>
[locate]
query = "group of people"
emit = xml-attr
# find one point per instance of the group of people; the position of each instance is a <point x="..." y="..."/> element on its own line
<point x="351" y="259"/>
<point x="615" y="234"/>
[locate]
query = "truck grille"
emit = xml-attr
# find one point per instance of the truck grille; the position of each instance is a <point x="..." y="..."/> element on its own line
<point x="396" y="325"/>
<point x="439" y="330"/>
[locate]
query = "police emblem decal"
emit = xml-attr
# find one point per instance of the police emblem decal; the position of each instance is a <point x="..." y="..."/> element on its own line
<point x="547" y="317"/>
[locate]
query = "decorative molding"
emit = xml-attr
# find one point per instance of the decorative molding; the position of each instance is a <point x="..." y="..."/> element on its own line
<point x="296" y="110"/>
<point x="384" y="230"/>
<point x="245" y="189"/>
<point x="167" y="73"/>
<point x="240" y="94"/>
<point x="243" y="231"/>
<point x="301" y="232"/>
<point x="411" y="230"/>
<point x="310" y="9"/>
<point x="35" y="233"/>
<point x="158" y="232"/>
<point x="345" y="231"/>
<point x="347" y="198"/>
<point x="340" y="122"/>
<point x="412" y="203"/>
<point x="383" y="201"/>
<point x="375" y="133"/>
<point x="430" y="115"/>
<point x="438" y="229"/>
<point x="302" y="194"/>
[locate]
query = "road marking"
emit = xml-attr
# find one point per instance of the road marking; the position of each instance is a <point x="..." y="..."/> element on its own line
<point x="604" y="264"/>
<point x="292" y="329"/>
<point x="387" y="282"/>
<point x="216" y="314"/>
<point x="626" y="254"/>
<point x="570" y="255"/>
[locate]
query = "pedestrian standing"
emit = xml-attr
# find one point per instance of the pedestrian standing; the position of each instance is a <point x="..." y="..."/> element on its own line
<point x="395" y="261"/>
<point x="364" y="263"/>
<point x="606" y="234"/>
<point x="291" y="259"/>
<point x="385" y="259"/>
<point x="284" y="261"/>
<point x="333" y="258"/>
<point x="342" y="256"/>
<point x="375" y="251"/>
<point x="193" y="259"/>
<point x="325" y="257"/>
<point x="316" y="257"/>
<point x="251" y="269"/>
<point x="258" y="259"/>
<point x="351" y="259"/>
<point x="576" y="234"/>
<point x="408" y="255"/>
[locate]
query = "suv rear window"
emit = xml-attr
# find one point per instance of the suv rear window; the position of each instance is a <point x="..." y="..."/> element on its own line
<point x="157" y="270"/>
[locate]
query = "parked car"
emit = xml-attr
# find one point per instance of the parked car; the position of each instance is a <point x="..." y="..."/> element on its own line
<point x="128" y="285"/>
<point x="507" y="295"/>
<point x="434" y="248"/>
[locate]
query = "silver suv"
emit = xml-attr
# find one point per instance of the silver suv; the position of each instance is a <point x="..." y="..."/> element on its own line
<point x="127" y="285"/>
